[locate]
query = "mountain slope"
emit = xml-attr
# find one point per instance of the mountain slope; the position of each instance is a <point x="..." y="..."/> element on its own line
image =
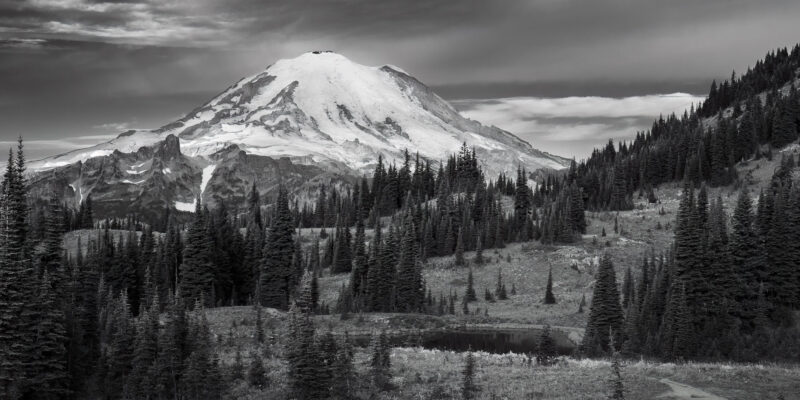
<point x="319" y="110"/>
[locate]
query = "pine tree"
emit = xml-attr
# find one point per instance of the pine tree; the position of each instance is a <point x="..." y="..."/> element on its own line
<point x="745" y="253"/>
<point x="409" y="289"/>
<point x="549" y="298"/>
<point x="605" y="315"/>
<point x="197" y="269"/>
<point x="276" y="264"/>
<point x="460" y="248"/>
<point x="172" y="346"/>
<point x="360" y="262"/>
<point x="627" y="288"/>
<point x="120" y="353"/>
<point x="256" y="374"/>
<point x="258" y="333"/>
<point x="500" y="289"/>
<point x="201" y="377"/>
<point x="237" y="369"/>
<point x="469" y="389"/>
<point x="470" y="294"/>
<point x="139" y="382"/>
<point x="344" y="378"/>
<point x="18" y="288"/>
<point x="689" y="267"/>
<point x="327" y="349"/>
<point x="546" y="351"/>
<point x="50" y="365"/>
<point x="381" y="361"/>
<point x="479" y="252"/>
<point x="677" y="335"/>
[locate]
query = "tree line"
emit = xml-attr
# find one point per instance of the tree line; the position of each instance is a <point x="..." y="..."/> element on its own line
<point x="745" y="118"/>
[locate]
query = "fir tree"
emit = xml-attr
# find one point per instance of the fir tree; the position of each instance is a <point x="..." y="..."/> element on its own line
<point x="197" y="269"/>
<point x="276" y="264"/>
<point x="381" y="361"/>
<point x="256" y="374"/>
<point x="344" y="374"/>
<point x="605" y="314"/>
<point x="470" y="294"/>
<point x="500" y="289"/>
<point x="479" y="252"/>
<point x="469" y="389"/>
<point x="546" y="351"/>
<point x="460" y="248"/>
<point x="50" y="366"/>
<point x="18" y="288"/>
<point x="549" y="298"/>
<point x="409" y="289"/>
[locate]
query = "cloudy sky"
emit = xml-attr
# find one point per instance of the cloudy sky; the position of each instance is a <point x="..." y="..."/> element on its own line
<point x="563" y="74"/>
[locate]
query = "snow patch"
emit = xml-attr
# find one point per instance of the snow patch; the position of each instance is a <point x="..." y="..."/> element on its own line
<point x="208" y="172"/>
<point x="166" y="171"/>
<point x="188" y="207"/>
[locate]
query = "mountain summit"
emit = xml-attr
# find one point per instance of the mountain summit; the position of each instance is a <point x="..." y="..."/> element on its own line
<point x="319" y="110"/>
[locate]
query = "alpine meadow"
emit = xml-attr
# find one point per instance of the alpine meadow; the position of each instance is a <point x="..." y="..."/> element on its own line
<point x="327" y="229"/>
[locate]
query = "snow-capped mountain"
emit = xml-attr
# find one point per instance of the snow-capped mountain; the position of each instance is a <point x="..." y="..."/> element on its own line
<point x="321" y="112"/>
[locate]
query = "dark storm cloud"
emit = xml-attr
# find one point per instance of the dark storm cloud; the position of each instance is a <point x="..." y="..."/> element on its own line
<point x="68" y="67"/>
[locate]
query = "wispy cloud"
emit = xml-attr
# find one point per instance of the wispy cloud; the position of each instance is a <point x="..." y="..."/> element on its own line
<point x="110" y="126"/>
<point x="572" y="126"/>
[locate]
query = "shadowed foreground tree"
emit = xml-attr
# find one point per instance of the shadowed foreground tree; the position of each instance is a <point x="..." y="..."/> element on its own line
<point x="605" y="315"/>
<point x="469" y="389"/>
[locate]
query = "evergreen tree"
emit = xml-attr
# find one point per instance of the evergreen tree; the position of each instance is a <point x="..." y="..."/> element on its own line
<point x="605" y="314"/>
<point x="276" y="264"/>
<point x="627" y="288"/>
<point x="381" y="361"/>
<point x="745" y="253"/>
<point x="479" y="252"/>
<point x="460" y="248"/>
<point x="256" y="374"/>
<point x="470" y="294"/>
<point x="546" y="351"/>
<point x="50" y="365"/>
<point x="689" y="268"/>
<point x="409" y="289"/>
<point x="344" y="374"/>
<point x="18" y="288"/>
<point x="500" y="289"/>
<point x="469" y="389"/>
<point x="197" y="270"/>
<point x="549" y="298"/>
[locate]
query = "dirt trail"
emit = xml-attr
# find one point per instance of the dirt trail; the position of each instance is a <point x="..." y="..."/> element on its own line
<point x="682" y="391"/>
